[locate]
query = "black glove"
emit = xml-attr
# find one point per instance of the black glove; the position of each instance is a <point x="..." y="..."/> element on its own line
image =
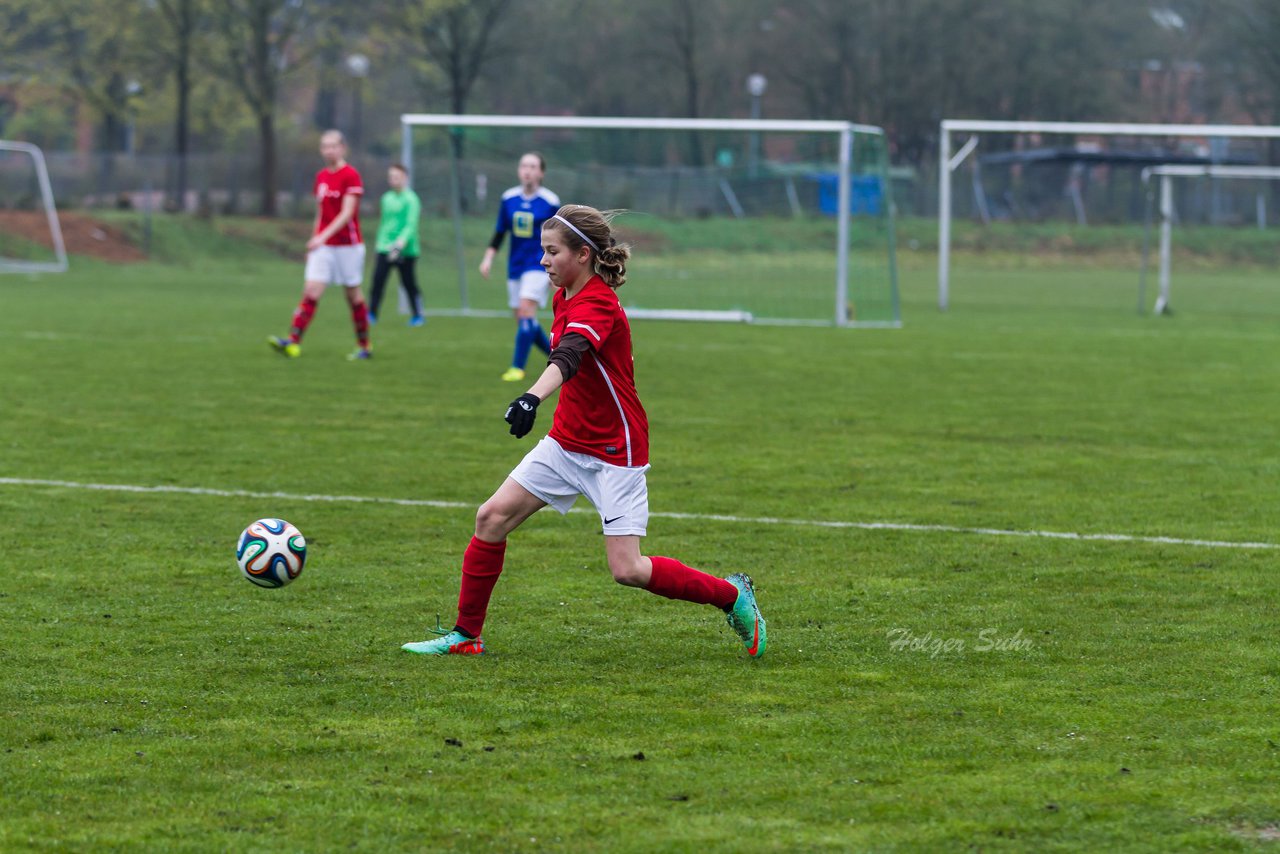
<point x="521" y="412"/>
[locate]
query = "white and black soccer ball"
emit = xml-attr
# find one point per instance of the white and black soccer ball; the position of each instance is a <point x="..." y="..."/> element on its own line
<point x="271" y="552"/>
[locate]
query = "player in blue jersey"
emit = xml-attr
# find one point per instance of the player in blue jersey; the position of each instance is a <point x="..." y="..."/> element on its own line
<point x="524" y="209"/>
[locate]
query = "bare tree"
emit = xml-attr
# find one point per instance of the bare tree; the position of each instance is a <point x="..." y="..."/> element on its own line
<point x="1247" y="47"/>
<point x="89" y="48"/>
<point x="180" y="20"/>
<point x="684" y="34"/>
<point x="254" y="51"/>
<point x="338" y="38"/>
<point x="455" y="38"/>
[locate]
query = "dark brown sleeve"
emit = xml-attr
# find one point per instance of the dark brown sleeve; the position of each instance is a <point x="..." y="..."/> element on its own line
<point x="567" y="355"/>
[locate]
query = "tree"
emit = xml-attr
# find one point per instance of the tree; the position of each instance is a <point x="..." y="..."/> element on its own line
<point x="455" y="38"/>
<point x="180" y="21"/>
<point x="1248" y="48"/>
<point x="87" y="47"/>
<point x="337" y="37"/>
<point x="691" y="36"/>
<point x="254" y="51"/>
<point x="907" y="64"/>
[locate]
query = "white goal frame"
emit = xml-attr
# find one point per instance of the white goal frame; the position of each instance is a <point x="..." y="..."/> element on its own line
<point x="1166" y="173"/>
<point x="845" y="131"/>
<point x="59" y="264"/>
<point x="948" y="162"/>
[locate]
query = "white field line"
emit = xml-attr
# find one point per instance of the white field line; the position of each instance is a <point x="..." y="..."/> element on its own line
<point x="697" y="517"/>
<point x="230" y="493"/>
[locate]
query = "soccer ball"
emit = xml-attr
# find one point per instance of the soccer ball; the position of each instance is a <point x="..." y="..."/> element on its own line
<point x="271" y="552"/>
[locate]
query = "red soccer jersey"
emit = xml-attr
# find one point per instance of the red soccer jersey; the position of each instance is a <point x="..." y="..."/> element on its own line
<point x="599" y="412"/>
<point x="330" y="188"/>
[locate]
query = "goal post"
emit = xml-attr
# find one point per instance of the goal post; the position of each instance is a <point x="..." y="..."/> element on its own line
<point x="1167" y="213"/>
<point x="949" y="161"/>
<point x="681" y="181"/>
<point x="24" y="176"/>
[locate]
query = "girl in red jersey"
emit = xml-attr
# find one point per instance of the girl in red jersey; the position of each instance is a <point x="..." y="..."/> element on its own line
<point x="335" y="251"/>
<point x="598" y="445"/>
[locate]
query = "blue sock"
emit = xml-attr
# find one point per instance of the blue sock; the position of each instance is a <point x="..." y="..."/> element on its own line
<point x="524" y="340"/>
<point x="540" y="337"/>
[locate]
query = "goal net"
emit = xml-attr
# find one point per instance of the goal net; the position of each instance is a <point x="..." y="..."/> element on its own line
<point x="1076" y="171"/>
<point x="1198" y="177"/>
<point x="30" y="236"/>
<point x="740" y="220"/>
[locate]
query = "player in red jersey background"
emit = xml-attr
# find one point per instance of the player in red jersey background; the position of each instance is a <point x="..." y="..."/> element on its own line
<point x="335" y="251"/>
<point x="598" y="445"/>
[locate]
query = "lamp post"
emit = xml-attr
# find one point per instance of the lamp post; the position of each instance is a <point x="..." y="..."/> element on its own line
<point x="756" y="84"/>
<point x="358" y="68"/>
<point x="132" y="89"/>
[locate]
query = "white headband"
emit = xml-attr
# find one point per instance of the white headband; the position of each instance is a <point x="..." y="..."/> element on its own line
<point x="590" y="242"/>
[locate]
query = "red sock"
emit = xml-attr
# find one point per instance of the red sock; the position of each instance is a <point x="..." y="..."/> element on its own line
<point x="360" y="316"/>
<point x="674" y="580"/>
<point x="481" y="566"/>
<point x="302" y="318"/>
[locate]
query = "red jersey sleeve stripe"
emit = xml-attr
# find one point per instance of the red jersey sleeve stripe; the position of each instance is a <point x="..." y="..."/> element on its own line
<point x="584" y="326"/>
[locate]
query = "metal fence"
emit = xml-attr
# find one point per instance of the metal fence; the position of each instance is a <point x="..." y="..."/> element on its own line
<point x="216" y="183"/>
<point x="227" y="184"/>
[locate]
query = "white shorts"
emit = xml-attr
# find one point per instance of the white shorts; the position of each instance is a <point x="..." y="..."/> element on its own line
<point x="336" y="265"/>
<point x="531" y="285"/>
<point x="556" y="476"/>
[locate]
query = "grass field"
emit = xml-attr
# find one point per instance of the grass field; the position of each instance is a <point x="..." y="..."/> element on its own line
<point x="929" y="688"/>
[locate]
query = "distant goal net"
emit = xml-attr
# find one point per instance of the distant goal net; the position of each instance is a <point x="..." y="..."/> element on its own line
<point x="1040" y="170"/>
<point x="30" y="235"/>
<point x="736" y="220"/>
<point x="1166" y="209"/>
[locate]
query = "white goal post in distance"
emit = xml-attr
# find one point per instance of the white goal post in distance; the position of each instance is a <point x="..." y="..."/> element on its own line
<point x="1167" y="173"/>
<point x="844" y="131"/>
<point x="41" y="171"/>
<point x="948" y="162"/>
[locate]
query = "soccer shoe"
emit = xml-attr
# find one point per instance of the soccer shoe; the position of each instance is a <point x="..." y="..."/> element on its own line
<point x="453" y="643"/>
<point x="745" y="618"/>
<point x="417" y="320"/>
<point x="513" y="375"/>
<point x="359" y="354"/>
<point x="284" y="347"/>
<point x="373" y="319"/>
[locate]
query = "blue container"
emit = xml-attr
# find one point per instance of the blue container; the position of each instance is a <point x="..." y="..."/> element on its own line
<point x="866" y="194"/>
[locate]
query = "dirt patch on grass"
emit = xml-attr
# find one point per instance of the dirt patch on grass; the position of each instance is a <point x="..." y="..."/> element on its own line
<point x="1266" y="833"/>
<point x="82" y="234"/>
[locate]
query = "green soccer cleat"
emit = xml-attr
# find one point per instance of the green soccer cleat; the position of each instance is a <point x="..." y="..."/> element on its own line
<point x="284" y="347"/>
<point x="745" y="618"/>
<point x="512" y="375"/>
<point x="453" y="643"/>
